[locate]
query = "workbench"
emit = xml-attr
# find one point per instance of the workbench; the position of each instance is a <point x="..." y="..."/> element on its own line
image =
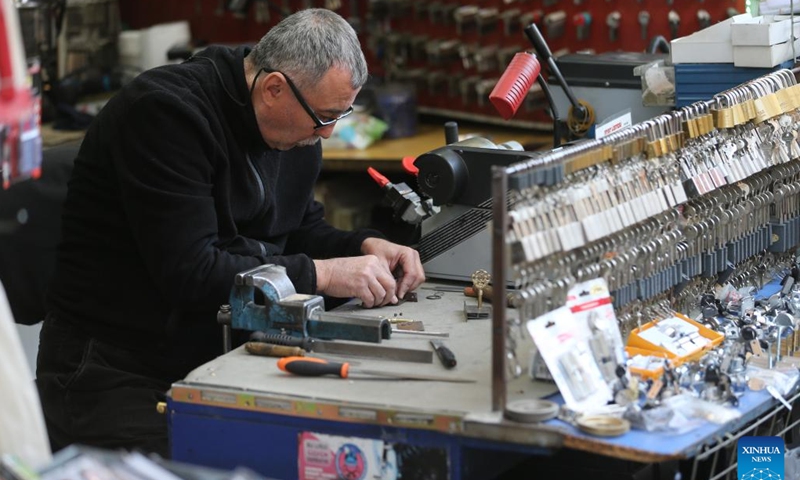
<point x="242" y="410"/>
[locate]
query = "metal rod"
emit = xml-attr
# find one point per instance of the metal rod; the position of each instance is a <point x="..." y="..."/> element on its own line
<point x="499" y="228"/>
<point x="420" y="333"/>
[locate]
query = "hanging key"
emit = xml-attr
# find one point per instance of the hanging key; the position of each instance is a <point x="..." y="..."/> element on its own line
<point x="554" y="23"/>
<point x="467" y="89"/>
<point x="448" y="10"/>
<point x="239" y="8"/>
<point x="674" y="22"/>
<point x="644" y="23"/>
<point x="379" y="9"/>
<point x="504" y="56"/>
<point x="487" y="20"/>
<point x="435" y="12"/>
<point x="486" y="59"/>
<point x="420" y="9"/>
<point x="535" y="16"/>
<point x="436" y="82"/>
<point x="703" y="18"/>
<point x="613" y="20"/>
<point x="353" y="18"/>
<point x="510" y="19"/>
<point x="398" y="9"/>
<point x="465" y="18"/>
<point x="582" y="22"/>
<point x="262" y="11"/>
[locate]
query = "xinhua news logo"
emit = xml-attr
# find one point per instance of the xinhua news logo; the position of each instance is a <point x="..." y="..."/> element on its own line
<point x="760" y="458"/>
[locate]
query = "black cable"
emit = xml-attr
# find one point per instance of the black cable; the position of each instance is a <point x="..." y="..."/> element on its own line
<point x="543" y="50"/>
<point x="553" y="109"/>
<point x="221" y="81"/>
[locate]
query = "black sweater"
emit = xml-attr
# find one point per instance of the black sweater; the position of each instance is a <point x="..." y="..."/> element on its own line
<point x="174" y="192"/>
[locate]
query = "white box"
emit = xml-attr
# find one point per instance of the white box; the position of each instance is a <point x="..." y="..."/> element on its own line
<point x="765" y="56"/>
<point x="158" y="39"/>
<point x="764" y="30"/>
<point x="710" y="45"/>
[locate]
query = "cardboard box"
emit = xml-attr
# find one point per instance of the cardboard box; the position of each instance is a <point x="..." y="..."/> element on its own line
<point x="710" y="45"/>
<point x="764" y="30"/>
<point x="765" y="56"/>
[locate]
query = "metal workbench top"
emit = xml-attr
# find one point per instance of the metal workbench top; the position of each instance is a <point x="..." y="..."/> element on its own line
<point x="241" y="381"/>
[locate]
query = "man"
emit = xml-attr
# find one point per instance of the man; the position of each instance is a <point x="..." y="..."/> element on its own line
<point x="191" y="174"/>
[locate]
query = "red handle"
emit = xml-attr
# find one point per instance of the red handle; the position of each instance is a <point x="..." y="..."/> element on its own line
<point x="380" y="179"/>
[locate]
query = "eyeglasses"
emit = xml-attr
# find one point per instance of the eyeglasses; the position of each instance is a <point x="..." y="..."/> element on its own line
<point x="318" y="122"/>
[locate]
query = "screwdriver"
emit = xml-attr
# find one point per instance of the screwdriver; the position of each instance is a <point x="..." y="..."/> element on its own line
<point x="317" y="367"/>
<point x="446" y="355"/>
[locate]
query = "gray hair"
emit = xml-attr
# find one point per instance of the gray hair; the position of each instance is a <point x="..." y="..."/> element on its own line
<point x="306" y="44"/>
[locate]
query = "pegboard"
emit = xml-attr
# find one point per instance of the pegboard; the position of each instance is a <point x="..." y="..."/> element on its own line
<point x="453" y="52"/>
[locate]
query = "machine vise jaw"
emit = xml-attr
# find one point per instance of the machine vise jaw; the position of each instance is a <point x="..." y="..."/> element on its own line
<point x="264" y="298"/>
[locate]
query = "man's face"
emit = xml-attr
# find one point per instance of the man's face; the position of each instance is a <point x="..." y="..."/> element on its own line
<point x="288" y="123"/>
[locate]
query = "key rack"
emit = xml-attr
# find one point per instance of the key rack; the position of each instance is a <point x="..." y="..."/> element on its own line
<point x="454" y="51"/>
<point x="662" y="210"/>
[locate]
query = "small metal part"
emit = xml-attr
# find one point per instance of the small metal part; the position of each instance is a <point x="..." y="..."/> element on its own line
<point x="409" y="297"/>
<point x="602" y="425"/>
<point x="473" y="312"/>
<point x="530" y="410"/>
<point x="420" y="333"/>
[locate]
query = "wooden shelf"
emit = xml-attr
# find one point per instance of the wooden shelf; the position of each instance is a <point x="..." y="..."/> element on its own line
<point x="387" y="154"/>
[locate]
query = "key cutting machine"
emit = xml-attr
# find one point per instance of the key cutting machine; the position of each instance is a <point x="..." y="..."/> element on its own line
<point x="454" y="202"/>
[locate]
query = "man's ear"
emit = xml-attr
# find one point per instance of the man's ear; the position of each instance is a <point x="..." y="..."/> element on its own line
<point x="271" y="88"/>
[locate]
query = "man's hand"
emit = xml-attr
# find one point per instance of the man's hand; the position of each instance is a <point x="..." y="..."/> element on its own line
<point x="403" y="261"/>
<point x="366" y="277"/>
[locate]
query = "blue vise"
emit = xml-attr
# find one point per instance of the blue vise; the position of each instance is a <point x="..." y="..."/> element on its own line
<point x="264" y="299"/>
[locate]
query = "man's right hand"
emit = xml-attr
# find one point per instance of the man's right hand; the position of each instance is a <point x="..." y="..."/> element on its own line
<point x="365" y="277"/>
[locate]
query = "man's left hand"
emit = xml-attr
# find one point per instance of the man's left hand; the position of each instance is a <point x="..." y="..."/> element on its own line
<point x="399" y="259"/>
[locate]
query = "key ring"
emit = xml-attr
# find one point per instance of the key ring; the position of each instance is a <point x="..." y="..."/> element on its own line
<point x="436" y="295"/>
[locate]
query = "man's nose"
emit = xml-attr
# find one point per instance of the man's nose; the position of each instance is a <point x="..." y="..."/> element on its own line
<point x="326" y="131"/>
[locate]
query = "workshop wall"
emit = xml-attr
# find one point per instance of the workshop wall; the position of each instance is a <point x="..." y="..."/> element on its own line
<point x="453" y="52"/>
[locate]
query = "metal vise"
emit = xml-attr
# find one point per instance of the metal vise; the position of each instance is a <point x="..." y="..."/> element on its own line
<point x="264" y="299"/>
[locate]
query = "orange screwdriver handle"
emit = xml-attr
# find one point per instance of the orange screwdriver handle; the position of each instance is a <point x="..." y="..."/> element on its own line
<point x="312" y="367"/>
